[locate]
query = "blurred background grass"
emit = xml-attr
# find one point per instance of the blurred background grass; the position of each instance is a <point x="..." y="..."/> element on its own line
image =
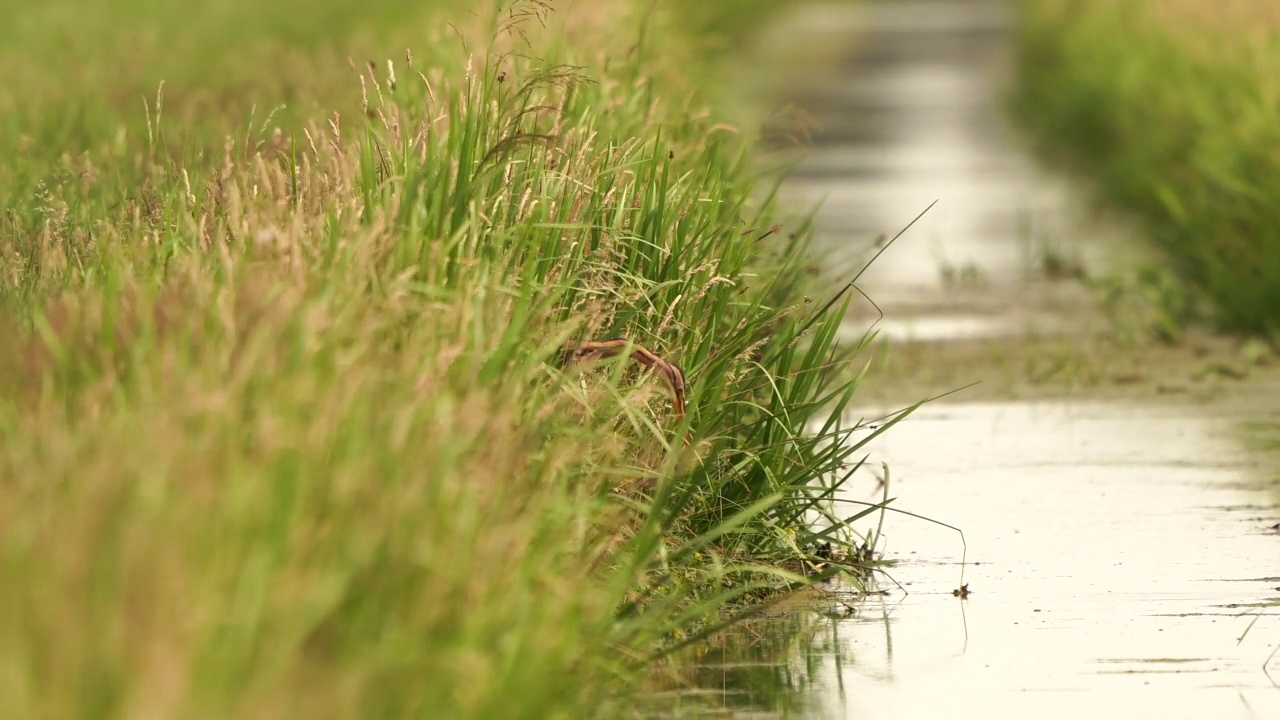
<point x="1172" y="107"/>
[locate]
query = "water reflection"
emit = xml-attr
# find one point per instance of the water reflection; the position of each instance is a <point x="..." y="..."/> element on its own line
<point x="765" y="667"/>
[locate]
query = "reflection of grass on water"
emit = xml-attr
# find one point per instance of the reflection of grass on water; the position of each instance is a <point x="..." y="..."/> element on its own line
<point x="770" y="664"/>
<point x="751" y="667"/>
<point x="283" y="430"/>
<point x="1170" y="105"/>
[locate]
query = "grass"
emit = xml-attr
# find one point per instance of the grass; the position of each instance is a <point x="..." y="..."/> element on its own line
<point x="1171" y="107"/>
<point x="283" y="426"/>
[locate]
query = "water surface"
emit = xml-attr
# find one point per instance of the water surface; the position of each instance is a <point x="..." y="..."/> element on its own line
<point x="1118" y="553"/>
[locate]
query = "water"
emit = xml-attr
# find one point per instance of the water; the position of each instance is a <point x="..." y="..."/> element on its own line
<point x="1117" y="549"/>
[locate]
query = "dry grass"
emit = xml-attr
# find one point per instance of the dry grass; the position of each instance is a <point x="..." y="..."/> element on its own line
<point x="1224" y="18"/>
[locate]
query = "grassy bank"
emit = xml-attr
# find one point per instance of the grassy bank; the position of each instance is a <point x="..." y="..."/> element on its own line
<point x="1172" y="106"/>
<point x="286" y="428"/>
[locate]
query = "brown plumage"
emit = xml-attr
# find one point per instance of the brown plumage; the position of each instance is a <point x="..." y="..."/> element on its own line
<point x="615" y="346"/>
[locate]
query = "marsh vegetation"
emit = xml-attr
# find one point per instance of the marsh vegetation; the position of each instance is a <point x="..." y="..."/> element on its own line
<point x="1170" y="108"/>
<point x="284" y="426"/>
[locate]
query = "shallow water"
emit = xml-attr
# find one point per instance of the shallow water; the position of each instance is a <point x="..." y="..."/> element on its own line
<point x="1118" y="550"/>
<point x="1115" y="552"/>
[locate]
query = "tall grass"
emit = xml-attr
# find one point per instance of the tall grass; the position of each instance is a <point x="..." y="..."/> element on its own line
<point x="1172" y="106"/>
<point x="283" y="426"/>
